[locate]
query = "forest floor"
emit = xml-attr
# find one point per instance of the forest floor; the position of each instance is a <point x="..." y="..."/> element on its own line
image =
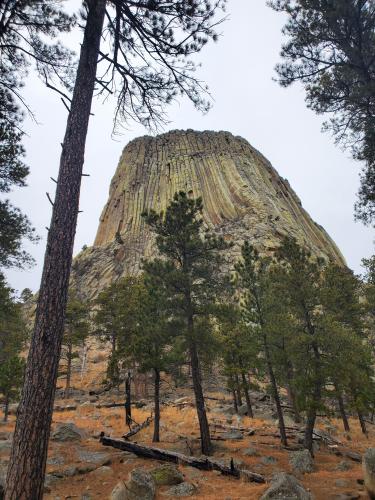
<point x="85" y="469"/>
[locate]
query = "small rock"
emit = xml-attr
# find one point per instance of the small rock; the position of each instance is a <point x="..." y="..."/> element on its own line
<point x="285" y="486"/>
<point x="95" y="457"/>
<point x="104" y="470"/>
<point x="268" y="460"/>
<point x="343" y="466"/>
<point x="182" y="490"/>
<point x="301" y="461"/>
<point x="250" y="452"/>
<point x="341" y="483"/>
<point x="56" y="460"/>
<point x="68" y="432"/>
<point x="233" y="435"/>
<point x="167" y="475"/>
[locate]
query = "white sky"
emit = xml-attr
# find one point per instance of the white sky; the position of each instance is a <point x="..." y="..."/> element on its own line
<point x="239" y="71"/>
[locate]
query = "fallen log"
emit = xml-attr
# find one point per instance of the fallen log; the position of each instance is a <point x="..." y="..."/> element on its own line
<point x="179" y="458"/>
<point x="138" y="428"/>
<point x="224" y="427"/>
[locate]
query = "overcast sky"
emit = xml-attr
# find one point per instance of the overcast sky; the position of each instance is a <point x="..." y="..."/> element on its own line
<point x="239" y="71"/>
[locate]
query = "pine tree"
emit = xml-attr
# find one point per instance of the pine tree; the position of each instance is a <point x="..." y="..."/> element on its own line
<point x="240" y="348"/>
<point x="189" y="271"/>
<point x="253" y="281"/>
<point x="12" y="337"/>
<point x="151" y="346"/>
<point x="330" y="49"/>
<point x="76" y="330"/>
<point x="300" y="286"/>
<point x="164" y="34"/>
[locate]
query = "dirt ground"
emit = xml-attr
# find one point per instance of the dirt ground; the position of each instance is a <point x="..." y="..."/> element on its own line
<point x="88" y="470"/>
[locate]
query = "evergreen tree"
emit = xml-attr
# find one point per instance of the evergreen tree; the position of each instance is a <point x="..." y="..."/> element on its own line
<point x="300" y="286"/>
<point x="76" y="330"/>
<point x="151" y="345"/>
<point x="144" y="64"/>
<point x="253" y="280"/>
<point x="12" y="337"/>
<point x="14" y="226"/>
<point x="240" y="348"/>
<point x="116" y="320"/>
<point x="189" y="271"/>
<point x="331" y="49"/>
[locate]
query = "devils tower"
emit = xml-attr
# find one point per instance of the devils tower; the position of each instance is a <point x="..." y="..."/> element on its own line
<point x="244" y="198"/>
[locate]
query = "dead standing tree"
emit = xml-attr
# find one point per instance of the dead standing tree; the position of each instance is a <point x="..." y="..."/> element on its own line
<point x="145" y="49"/>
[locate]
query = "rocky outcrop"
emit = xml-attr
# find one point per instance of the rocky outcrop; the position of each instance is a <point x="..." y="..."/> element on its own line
<point x="244" y="198"/>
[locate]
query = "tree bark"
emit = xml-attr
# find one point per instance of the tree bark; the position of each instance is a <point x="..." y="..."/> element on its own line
<point x="238" y="390"/>
<point x="247" y="395"/>
<point x="292" y="394"/>
<point x="235" y="405"/>
<point x="6" y="408"/>
<point x="128" y="403"/>
<point x="156" y="436"/>
<point x="344" y="418"/>
<point x="68" y="371"/>
<point x="27" y="464"/>
<point x="275" y="391"/>
<point x="199" y="400"/>
<point x="362" y="423"/>
<point x="309" y="430"/>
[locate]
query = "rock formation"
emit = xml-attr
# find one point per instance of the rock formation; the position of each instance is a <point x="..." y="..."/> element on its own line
<point x="243" y="198"/>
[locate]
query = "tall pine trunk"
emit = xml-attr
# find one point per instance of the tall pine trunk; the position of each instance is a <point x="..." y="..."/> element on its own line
<point x="342" y="411"/>
<point x="245" y="386"/>
<point x="199" y="400"/>
<point x="68" y="371"/>
<point x="156" y="436"/>
<point x="362" y="422"/>
<point x="275" y="392"/>
<point x="291" y="393"/>
<point x="27" y="464"/>
<point x="128" y="402"/>
<point x="238" y="390"/>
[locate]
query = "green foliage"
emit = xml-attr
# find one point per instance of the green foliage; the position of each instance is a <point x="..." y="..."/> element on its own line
<point x="330" y="49"/>
<point x="76" y="327"/>
<point x="116" y="320"/>
<point x="12" y="337"/>
<point x="189" y="272"/>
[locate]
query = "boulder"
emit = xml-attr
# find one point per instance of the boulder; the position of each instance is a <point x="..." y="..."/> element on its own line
<point x="287" y="487"/>
<point x="301" y="461"/>
<point x="233" y="435"/>
<point x="268" y="460"/>
<point x="67" y="432"/>
<point x="167" y="475"/>
<point x="140" y="486"/>
<point x="182" y="490"/>
<point x="368" y="467"/>
<point x="343" y="466"/>
<point x="250" y="452"/>
<point x="119" y="492"/>
<point x="94" y="457"/>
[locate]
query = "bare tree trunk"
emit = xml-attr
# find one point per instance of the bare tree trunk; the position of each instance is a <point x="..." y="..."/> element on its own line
<point x="362" y="423"/>
<point x="344" y="418"/>
<point x="291" y="393"/>
<point x="128" y="403"/>
<point x="199" y="400"/>
<point x="238" y="390"/>
<point x="275" y="392"/>
<point x="247" y="395"/>
<point x="27" y="464"/>
<point x="68" y="371"/>
<point x="156" y="437"/>
<point x="84" y="360"/>
<point x="235" y="405"/>
<point x="309" y="430"/>
<point x="6" y="408"/>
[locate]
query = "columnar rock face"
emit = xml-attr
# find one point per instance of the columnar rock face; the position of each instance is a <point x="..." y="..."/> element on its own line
<point x="244" y="198"/>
